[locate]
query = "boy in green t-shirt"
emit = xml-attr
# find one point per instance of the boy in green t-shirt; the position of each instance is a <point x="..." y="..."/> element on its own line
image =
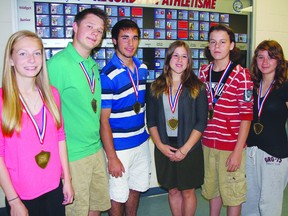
<point x="75" y="74"/>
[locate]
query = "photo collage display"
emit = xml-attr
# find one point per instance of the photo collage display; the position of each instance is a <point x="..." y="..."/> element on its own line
<point x="54" y="21"/>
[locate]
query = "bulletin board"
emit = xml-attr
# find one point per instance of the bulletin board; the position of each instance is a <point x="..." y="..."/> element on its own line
<point x="160" y="22"/>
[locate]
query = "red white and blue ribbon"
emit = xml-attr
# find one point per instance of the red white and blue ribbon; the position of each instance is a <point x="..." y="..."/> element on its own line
<point x="259" y="102"/>
<point x="90" y="80"/>
<point x="40" y="130"/>
<point x="173" y="101"/>
<point x="135" y="86"/>
<point x="220" y="85"/>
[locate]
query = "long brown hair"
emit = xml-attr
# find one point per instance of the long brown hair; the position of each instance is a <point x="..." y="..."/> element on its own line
<point x="188" y="78"/>
<point x="275" y="51"/>
<point x="12" y="107"/>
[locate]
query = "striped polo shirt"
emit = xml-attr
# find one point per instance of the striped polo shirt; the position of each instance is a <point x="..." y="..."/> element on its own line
<point x="118" y="94"/>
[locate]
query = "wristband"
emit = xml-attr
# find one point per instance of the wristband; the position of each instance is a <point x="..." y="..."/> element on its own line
<point x="13" y="199"/>
<point x="181" y="152"/>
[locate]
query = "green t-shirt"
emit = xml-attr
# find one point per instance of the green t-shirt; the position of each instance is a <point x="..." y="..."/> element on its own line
<point x="81" y="123"/>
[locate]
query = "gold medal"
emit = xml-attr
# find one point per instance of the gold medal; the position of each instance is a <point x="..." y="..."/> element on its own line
<point x="42" y="159"/>
<point x="258" y="128"/>
<point x="173" y="123"/>
<point x="210" y="114"/>
<point x="94" y="105"/>
<point x="136" y="107"/>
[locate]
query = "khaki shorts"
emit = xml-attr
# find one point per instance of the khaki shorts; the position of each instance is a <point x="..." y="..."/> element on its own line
<point x="90" y="182"/>
<point x="231" y="186"/>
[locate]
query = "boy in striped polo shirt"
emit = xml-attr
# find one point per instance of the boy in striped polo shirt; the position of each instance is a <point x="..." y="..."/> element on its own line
<point x="123" y="130"/>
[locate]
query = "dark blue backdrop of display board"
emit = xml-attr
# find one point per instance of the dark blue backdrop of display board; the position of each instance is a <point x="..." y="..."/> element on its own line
<point x="54" y="21"/>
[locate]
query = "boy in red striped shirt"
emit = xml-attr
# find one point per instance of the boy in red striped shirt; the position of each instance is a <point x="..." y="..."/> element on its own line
<point x="229" y="91"/>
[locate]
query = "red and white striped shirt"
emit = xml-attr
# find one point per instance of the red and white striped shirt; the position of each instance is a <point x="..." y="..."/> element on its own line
<point x="234" y="105"/>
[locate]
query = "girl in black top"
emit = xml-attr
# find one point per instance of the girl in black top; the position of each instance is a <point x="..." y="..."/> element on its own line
<point x="267" y="151"/>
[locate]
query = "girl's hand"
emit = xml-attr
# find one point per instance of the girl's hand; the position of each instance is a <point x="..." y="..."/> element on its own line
<point x="18" y="208"/>
<point x="167" y="150"/>
<point x="178" y="155"/>
<point x="68" y="193"/>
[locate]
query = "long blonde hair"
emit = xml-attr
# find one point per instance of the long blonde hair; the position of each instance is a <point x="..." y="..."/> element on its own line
<point x="12" y="107"/>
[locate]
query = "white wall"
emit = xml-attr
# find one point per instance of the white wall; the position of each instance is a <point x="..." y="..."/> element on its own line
<point x="7" y="26"/>
<point x="270" y="20"/>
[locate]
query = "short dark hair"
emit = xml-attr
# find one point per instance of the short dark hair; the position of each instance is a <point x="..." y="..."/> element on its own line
<point x="235" y="54"/>
<point x="222" y="27"/>
<point x="96" y="11"/>
<point x="124" y="24"/>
